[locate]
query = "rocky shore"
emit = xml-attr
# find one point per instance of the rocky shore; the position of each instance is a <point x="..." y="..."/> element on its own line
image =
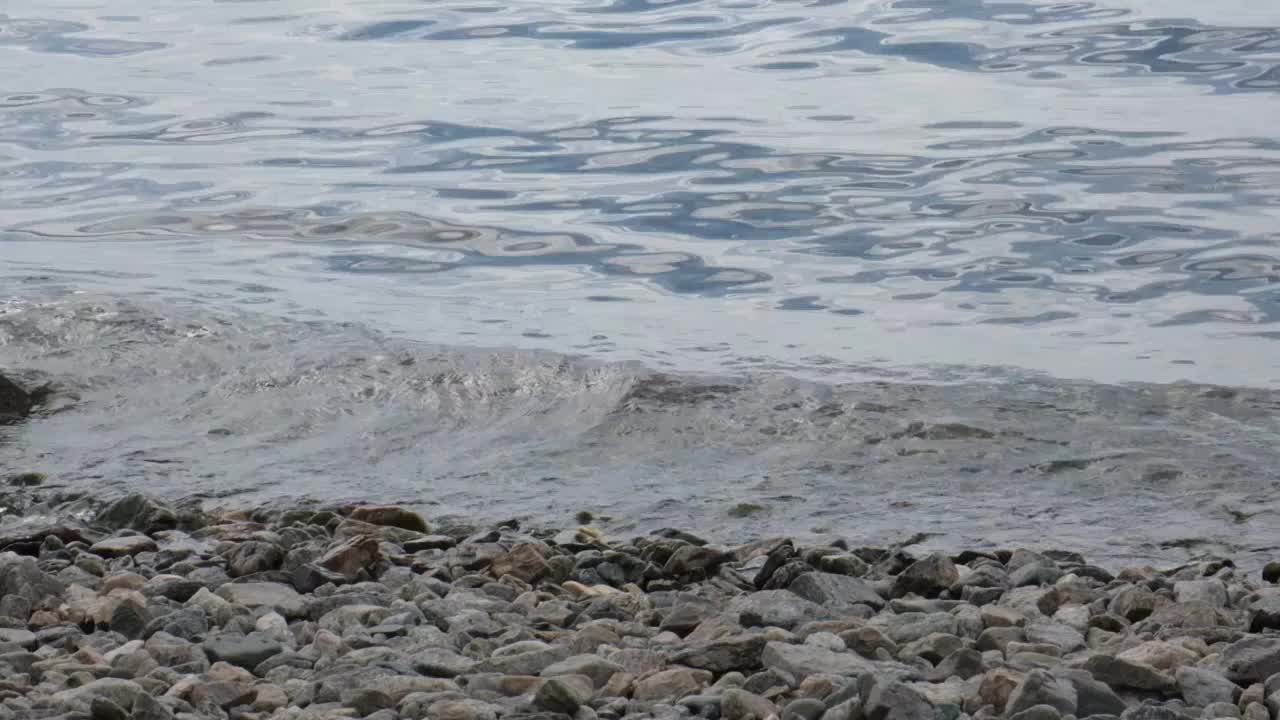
<point x="153" y="612"/>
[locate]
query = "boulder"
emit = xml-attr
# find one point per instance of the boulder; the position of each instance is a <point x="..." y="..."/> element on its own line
<point x="390" y="516"/>
<point x="927" y="576"/>
<point x="137" y="512"/>
<point x="15" y="402"/>
<point x="838" y="592"/>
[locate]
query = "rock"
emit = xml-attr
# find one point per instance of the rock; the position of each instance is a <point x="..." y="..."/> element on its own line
<point x="868" y="640"/>
<point x="1201" y="686"/>
<point x="455" y="710"/>
<point x="220" y="694"/>
<point x="390" y="516"/>
<point x="738" y="704"/>
<point x="1063" y="636"/>
<point x="130" y="619"/>
<point x="738" y="652"/>
<point x="670" y="685"/>
<point x="598" y="669"/>
<point x="963" y="663"/>
<point x="116" y="690"/>
<point x="564" y="693"/>
<point x="524" y="562"/>
<point x="1251" y="660"/>
<point x="1264" y="610"/>
<point x="442" y="662"/>
<point x="927" y="577"/>
<point x="1159" y="655"/>
<point x="1039" y="687"/>
<point x="276" y="596"/>
<point x="350" y="557"/>
<point x="1093" y="697"/>
<point x="253" y="557"/>
<point x="367" y="701"/>
<point x="1207" y="592"/>
<point x="1271" y="572"/>
<point x="20" y="577"/>
<point x="892" y="700"/>
<point x="802" y="661"/>
<point x="137" y="512"/>
<point x="776" y="608"/>
<point x="246" y="651"/>
<point x="1037" y="712"/>
<point x="839" y="592"/>
<point x="15" y="402"/>
<point x="997" y="686"/>
<point x="1136" y="603"/>
<point x="100" y="708"/>
<point x="123" y="545"/>
<point x="146" y="707"/>
<point x="696" y="561"/>
<point x="1120" y="673"/>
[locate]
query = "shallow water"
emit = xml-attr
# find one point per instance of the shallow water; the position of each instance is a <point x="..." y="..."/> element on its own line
<point x="1012" y="210"/>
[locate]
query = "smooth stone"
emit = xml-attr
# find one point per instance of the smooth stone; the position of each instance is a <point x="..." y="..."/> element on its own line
<point x="670" y="685"/>
<point x="1121" y="673"/>
<point x="738" y="652"/>
<point x="390" y="516"/>
<point x="117" y="690"/>
<point x="1252" y="660"/>
<point x="598" y="669"/>
<point x="776" y="608"/>
<point x="442" y="662"/>
<point x="802" y="661"/>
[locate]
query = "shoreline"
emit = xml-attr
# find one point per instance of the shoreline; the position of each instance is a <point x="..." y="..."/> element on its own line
<point x="150" y="611"/>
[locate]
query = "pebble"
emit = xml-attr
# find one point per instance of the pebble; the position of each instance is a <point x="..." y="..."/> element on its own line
<point x="359" y="612"/>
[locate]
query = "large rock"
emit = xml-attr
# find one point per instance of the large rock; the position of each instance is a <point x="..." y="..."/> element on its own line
<point x="246" y="651"/>
<point x="839" y="592"/>
<point x="564" y="694"/>
<point x="21" y="577"/>
<point x="670" y="685"/>
<point x="738" y="704"/>
<point x="927" y="576"/>
<point x="738" y="652"/>
<point x="523" y="562"/>
<point x="442" y="662"/>
<point x="123" y="545"/>
<point x="277" y="596"/>
<point x="253" y="557"/>
<point x="805" y="660"/>
<point x="1039" y="687"/>
<point x="117" y="690"/>
<point x="1201" y="686"/>
<point x="390" y="516"/>
<point x="1252" y="659"/>
<point x="351" y="556"/>
<point x="137" y="512"/>
<point x="888" y="699"/>
<point x="1264" y="610"/>
<point x="1093" y="697"/>
<point x="776" y="608"/>
<point x="15" y="403"/>
<point x="598" y="669"/>
<point x="1121" y="673"/>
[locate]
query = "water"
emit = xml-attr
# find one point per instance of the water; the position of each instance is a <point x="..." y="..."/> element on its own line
<point x="1054" y="219"/>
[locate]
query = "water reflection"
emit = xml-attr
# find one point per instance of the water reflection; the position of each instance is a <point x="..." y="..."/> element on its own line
<point x="391" y="141"/>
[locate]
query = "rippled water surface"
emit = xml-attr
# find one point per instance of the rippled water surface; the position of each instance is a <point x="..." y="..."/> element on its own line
<point x="831" y="191"/>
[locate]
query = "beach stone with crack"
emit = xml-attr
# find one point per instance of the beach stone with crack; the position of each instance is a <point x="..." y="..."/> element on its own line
<point x="839" y="592"/>
<point x="928" y="576"/>
<point x="390" y="516"/>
